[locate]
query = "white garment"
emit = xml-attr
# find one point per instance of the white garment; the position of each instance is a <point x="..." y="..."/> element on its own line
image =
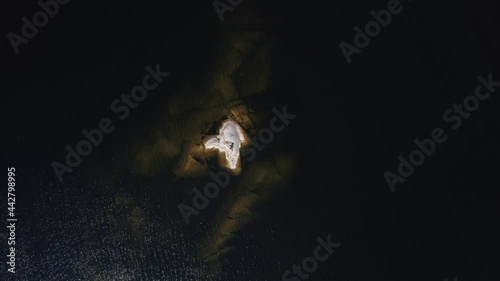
<point x="228" y="141"/>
